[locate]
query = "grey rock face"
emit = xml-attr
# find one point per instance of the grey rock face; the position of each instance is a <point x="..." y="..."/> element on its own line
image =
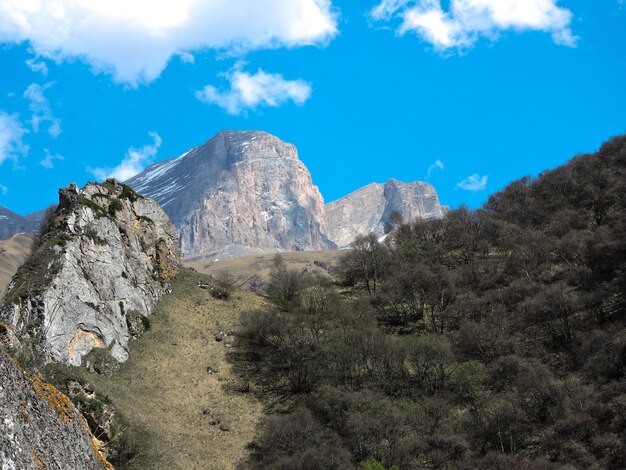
<point x="39" y="427"/>
<point x="367" y="209"/>
<point x="106" y="256"/>
<point x="239" y="193"/>
<point x="12" y="223"/>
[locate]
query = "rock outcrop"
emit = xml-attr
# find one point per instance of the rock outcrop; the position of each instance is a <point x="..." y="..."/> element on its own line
<point x="239" y="193"/>
<point x="39" y="426"/>
<point x="104" y="260"/>
<point x="12" y="223"/>
<point x="367" y="210"/>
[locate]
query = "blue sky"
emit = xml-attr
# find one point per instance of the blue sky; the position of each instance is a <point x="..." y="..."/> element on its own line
<point x="465" y="97"/>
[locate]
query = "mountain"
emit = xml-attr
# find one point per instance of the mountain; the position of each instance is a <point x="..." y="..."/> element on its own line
<point x="13" y="252"/>
<point x="242" y="192"/>
<point x="12" y="223"/>
<point x="367" y="210"/>
<point x="102" y="264"/>
<point x="248" y="193"/>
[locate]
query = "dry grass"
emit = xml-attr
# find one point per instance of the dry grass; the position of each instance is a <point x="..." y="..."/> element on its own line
<point x="13" y="252"/>
<point x="185" y="417"/>
<point x="248" y="271"/>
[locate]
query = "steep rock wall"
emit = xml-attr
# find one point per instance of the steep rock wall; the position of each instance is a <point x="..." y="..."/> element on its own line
<point x="367" y="209"/>
<point x="240" y="193"/>
<point x="104" y="260"/>
<point x="39" y="426"/>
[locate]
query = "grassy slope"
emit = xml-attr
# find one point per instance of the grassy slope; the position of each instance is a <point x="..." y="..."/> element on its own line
<point x="248" y="269"/>
<point x="178" y="410"/>
<point x="13" y="252"/>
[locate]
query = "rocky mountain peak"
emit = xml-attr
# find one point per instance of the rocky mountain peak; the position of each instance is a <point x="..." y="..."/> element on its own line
<point x="102" y="262"/>
<point x="242" y="192"/>
<point x="367" y="209"/>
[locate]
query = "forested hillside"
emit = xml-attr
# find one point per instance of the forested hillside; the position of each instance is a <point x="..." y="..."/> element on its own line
<point x="489" y="339"/>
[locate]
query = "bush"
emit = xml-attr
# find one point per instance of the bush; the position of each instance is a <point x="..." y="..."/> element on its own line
<point x="223" y="287"/>
<point x="115" y="206"/>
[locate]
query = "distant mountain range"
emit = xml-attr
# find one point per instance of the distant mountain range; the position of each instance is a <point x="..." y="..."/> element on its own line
<point x="12" y="223"/>
<point x="247" y="192"/>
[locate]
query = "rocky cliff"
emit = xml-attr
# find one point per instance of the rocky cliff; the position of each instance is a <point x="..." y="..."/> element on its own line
<point x="239" y="193"/>
<point x="39" y="426"/>
<point x="12" y="223"/>
<point x="104" y="260"/>
<point x="367" y="209"/>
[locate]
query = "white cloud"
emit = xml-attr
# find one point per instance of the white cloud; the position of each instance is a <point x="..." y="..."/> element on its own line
<point x="4" y="190"/>
<point x="473" y="183"/>
<point x="40" y="107"/>
<point x="48" y="161"/>
<point x="11" y="137"/>
<point x="37" y="66"/>
<point x="465" y="21"/>
<point x="249" y="91"/>
<point x="186" y="57"/>
<point x="134" y="39"/>
<point x="135" y="161"/>
<point x="438" y="164"/>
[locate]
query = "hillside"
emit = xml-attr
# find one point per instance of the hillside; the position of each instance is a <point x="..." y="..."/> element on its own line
<point x="13" y="253"/>
<point x="253" y="272"/>
<point x="487" y="339"/>
<point x="175" y="413"/>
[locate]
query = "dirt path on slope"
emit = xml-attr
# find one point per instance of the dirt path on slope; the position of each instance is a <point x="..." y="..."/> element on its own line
<point x="190" y="420"/>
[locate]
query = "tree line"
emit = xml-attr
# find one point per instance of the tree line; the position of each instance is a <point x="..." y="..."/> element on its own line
<point x="491" y="339"/>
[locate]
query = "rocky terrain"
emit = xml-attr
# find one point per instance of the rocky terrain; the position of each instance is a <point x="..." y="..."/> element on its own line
<point x="177" y="398"/>
<point x="103" y="262"/>
<point x="39" y="426"/>
<point x="12" y="223"/>
<point x="239" y="193"/>
<point x="367" y="210"/>
<point x="13" y="252"/>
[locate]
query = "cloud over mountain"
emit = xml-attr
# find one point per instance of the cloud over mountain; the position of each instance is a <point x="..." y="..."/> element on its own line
<point x="249" y="91"/>
<point x="134" y="162"/>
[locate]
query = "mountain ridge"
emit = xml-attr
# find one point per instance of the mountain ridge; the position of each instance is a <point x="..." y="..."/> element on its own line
<point x="248" y="193"/>
<point x="238" y="191"/>
<point x="12" y="223"/>
<point x="368" y="209"/>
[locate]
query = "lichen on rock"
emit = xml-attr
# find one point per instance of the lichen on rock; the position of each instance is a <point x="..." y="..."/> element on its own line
<point x="40" y="427"/>
<point x="106" y="251"/>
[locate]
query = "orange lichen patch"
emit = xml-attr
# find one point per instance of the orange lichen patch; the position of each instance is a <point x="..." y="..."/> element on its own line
<point x="87" y="340"/>
<point x="38" y="463"/>
<point x="166" y="268"/>
<point x="54" y="398"/>
<point x="4" y="331"/>
<point x="95" y="445"/>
